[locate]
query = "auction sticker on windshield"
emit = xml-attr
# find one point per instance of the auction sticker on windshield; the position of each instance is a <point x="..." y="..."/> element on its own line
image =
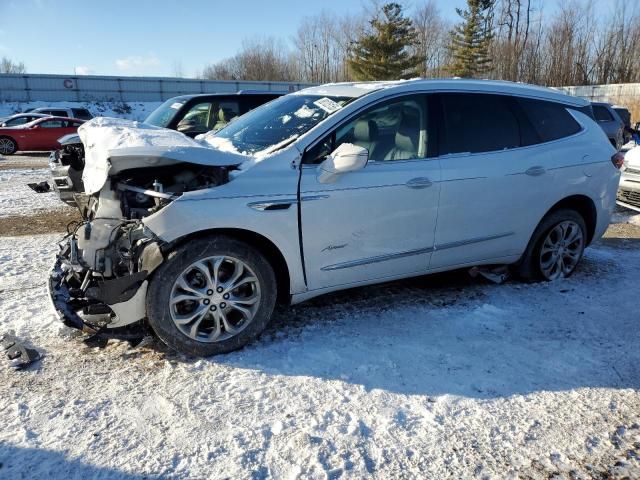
<point x="176" y="105"/>
<point x="327" y="105"/>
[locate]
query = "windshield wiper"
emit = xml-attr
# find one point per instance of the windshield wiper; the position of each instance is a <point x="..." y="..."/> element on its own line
<point x="281" y="145"/>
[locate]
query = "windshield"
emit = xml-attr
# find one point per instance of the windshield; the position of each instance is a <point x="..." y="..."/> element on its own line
<point x="162" y="116"/>
<point x="284" y="118"/>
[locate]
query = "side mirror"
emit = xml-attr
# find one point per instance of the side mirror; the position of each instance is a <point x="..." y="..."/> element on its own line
<point x="346" y="158"/>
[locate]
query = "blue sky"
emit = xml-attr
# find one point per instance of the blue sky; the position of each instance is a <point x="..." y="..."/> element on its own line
<point x="146" y="37"/>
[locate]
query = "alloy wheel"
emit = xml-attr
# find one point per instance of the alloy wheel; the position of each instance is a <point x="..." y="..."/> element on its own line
<point x="561" y="250"/>
<point x="7" y="146"/>
<point x="214" y="299"/>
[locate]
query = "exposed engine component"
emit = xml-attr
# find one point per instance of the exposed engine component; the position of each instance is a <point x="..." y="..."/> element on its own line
<point x="144" y="191"/>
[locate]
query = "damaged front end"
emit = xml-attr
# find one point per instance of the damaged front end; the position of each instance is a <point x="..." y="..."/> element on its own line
<point x="98" y="283"/>
<point x="100" y="277"/>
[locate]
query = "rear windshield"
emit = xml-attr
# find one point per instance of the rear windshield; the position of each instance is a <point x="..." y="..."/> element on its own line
<point x="81" y="113"/>
<point x="602" y="113"/>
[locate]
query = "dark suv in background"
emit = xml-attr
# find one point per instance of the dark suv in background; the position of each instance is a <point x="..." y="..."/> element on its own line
<point x="610" y="122"/>
<point x="196" y="114"/>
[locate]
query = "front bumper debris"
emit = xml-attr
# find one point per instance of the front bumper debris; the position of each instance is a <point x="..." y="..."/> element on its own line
<point x="79" y="305"/>
<point x="18" y="354"/>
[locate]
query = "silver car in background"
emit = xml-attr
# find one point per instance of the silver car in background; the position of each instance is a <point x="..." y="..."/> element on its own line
<point x="325" y="189"/>
<point x="610" y="122"/>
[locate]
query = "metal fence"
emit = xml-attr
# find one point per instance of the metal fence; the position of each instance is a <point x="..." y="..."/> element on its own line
<point x="625" y="94"/>
<point x="90" y="88"/>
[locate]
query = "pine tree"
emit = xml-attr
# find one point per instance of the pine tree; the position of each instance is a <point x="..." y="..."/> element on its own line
<point x="383" y="53"/>
<point x="470" y="40"/>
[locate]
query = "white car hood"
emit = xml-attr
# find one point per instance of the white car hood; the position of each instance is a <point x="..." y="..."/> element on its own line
<point x="632" y="158"/>
<point x="113" y="145"/>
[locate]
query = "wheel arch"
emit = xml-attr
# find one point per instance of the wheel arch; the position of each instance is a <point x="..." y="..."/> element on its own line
<point x="582" y="204"/>
<point x="261" y="243"/>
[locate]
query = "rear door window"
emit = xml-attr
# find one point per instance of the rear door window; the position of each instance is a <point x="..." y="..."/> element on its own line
<point x="550" y="120"/>
<point x="81" y="113"/>
<point x="602" y="114"/>
<point x="477" y="123"/>
<point x="53" y="124"/>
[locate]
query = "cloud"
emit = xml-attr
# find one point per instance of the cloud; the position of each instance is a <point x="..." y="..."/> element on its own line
<point x="136" y="62"/>
<point x="84" y="70"/>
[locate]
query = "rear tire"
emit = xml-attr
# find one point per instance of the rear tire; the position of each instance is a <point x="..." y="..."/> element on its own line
<point x="8" y="146"/>
<point x="555" y="248"/>
<point x="196" y="282"/>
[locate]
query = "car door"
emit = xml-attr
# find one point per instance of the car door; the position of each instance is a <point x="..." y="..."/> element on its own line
<point x="497" y="180"/>
<point x="377" y="222"/>
<point x="484" y="208"/>
<point x="47" y="132"/>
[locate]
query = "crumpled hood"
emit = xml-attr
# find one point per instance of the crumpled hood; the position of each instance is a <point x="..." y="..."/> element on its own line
<point x="112" y="145"/>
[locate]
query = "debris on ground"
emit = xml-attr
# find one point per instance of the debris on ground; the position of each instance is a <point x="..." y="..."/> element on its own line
<point x="18" y="354"/>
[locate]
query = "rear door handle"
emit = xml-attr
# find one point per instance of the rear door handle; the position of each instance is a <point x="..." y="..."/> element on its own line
<point x="536" y="171"/>
<point x="419" y="182"/>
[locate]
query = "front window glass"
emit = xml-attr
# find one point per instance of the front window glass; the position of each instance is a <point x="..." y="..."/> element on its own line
<point x="162" y="116"/>
<point x="286" y="118"/>
<point x="206" y="116"/>
<point x="396" y="130"/>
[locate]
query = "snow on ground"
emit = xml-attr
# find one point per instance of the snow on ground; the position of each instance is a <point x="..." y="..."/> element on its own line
<point x="626" y="216"/>
<point x="16" y="198"/>
<point x="435" y="377"/>
<point x="129" y="110"/>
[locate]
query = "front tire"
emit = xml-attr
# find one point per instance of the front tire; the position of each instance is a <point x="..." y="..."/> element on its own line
<point x="211" y="296"/>
<point x="8" y="146"/>
<point x="556" y="247"/>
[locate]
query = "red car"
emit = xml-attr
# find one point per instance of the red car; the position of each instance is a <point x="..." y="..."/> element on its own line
<point x="41" y="134"/>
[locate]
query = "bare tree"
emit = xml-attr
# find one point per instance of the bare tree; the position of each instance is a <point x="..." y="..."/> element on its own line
<point x="433" y="38"/>
<point x="9" y="66"/>
<point x="177" y="69"/>
<point x="323" y="45"/>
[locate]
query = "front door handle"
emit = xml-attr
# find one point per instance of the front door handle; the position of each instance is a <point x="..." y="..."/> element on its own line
<point x="419" y="182"/>
<point x="536" y="171"/>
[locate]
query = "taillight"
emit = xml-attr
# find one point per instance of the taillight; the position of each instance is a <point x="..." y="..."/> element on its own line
<point x="618" y="160"/>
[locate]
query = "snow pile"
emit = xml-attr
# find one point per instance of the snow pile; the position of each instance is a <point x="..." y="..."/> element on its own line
<point x="128" y="110"/>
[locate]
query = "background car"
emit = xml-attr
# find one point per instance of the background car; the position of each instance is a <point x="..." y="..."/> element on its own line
<point x="610" y="122"/>
<point x="625" y="116"/>
<point x="197" y="114"/>
<point x="21" y="119"/>
<point x="40" y="135"/>
<point x="629" y="189"/>
<point x="79" y="113"/>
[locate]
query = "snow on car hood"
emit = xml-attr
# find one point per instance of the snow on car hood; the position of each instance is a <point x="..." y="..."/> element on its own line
<point x="632" y="158"/>
<point x="112" y="145"/>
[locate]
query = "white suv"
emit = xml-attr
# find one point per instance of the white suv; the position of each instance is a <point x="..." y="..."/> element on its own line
<point x="328" y="188"/>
